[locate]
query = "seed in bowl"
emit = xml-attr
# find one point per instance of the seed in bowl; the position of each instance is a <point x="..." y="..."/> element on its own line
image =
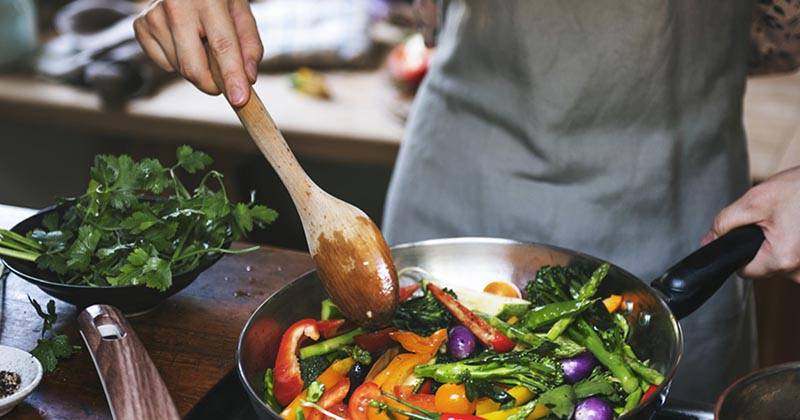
<point x="9" y="383"/>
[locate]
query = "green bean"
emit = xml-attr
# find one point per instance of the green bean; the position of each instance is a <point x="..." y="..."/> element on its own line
<point x="552" y="312"/>
<point x="330" y="345"/>
<point x="586" y="292"/>
<point x="584" y="334"/>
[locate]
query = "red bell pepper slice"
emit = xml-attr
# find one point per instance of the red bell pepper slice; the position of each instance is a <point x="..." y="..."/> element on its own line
<point x="376" y="341"/>
<point x="330" y="327"/>
<point x="488" y="335"/>
<point x="331" y="397"/>
<point x="339" y="409"/>
<point x="407" y="291"/>
<point x="426" y="388"/>
<point x="288" y="381"/>
<point x="650" y="391"/>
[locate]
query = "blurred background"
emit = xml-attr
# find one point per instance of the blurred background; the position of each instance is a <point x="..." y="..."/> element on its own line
<point x="338" y="77"/>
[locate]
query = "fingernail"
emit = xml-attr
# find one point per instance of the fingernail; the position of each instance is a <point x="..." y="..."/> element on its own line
<point x="252" y="70"/>
<point x="236" y="95"/>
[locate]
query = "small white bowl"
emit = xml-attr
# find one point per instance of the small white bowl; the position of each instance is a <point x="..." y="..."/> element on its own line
<point x="29" y="369"/>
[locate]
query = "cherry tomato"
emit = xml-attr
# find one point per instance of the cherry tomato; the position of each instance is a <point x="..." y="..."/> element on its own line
<point x="452" y="398"/>
<point x="503" y="288"/>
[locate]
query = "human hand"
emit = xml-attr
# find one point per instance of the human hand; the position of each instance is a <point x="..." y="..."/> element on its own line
<point x="171" y="32"/>
<point x="774" y="205"/>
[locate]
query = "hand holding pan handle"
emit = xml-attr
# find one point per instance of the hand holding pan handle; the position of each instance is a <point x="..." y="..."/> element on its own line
<point x="132" y="384"/>
<point x="689" y="283"/>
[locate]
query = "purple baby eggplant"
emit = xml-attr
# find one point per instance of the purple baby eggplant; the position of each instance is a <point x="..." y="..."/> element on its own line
<point x="461" y="342"/>
<point x="593" y="409"/>
<point x="578" y="367"/>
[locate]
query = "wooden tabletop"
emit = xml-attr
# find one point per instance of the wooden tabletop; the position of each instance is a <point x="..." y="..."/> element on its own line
<point x="191" y="337"/>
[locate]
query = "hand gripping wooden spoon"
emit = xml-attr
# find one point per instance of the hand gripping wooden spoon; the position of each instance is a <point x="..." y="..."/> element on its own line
<point x="352" y="258"/>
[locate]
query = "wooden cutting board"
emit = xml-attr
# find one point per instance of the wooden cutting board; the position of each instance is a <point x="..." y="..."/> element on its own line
<point x="191" y="337"/>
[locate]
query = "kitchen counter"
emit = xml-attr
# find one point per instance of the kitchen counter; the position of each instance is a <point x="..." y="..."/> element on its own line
<point x="191" y="337"/>
<point x="358" y="125"/>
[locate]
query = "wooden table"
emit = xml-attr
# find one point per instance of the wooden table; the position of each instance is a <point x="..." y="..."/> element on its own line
<point x="191" y="337"/>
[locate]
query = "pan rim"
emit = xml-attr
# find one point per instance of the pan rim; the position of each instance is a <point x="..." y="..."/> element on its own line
<point x="661" y="391"/>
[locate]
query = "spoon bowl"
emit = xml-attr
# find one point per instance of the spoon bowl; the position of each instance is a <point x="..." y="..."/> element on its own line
<point x="351" y="255"/>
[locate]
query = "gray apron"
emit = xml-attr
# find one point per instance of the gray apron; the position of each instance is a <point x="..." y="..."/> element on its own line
<point x="614" y="128"/>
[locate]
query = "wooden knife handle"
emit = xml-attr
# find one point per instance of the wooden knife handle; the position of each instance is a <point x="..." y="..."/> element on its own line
<point x="132" y="384"/>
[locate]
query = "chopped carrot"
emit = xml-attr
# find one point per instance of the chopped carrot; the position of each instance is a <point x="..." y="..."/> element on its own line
<point x="612" y="303"/>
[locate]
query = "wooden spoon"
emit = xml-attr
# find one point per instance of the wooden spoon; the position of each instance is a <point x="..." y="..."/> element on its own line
<point x="352" y="258"/>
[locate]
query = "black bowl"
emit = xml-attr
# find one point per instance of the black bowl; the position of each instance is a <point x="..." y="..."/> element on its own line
<point x="131" y="300"/>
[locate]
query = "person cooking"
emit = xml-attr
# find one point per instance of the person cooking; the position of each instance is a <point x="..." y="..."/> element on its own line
<point x="609" y="127"/>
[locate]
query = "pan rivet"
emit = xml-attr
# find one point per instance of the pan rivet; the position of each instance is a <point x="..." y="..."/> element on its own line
<point x="629" y="307"/>
<point x="644" y="319"/>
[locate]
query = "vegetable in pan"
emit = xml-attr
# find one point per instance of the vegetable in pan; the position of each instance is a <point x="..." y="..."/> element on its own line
<point x="461" y="354"/>
<point x="113" y="236"/>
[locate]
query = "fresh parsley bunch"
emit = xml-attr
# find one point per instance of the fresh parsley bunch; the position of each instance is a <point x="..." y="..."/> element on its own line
<point x="138" y="223"/>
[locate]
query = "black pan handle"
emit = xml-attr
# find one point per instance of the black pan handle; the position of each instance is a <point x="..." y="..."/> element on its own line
<point x="690" y="282"/>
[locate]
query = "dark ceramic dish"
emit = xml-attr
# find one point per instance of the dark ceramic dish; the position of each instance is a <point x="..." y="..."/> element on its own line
<point x="131" y="300"/>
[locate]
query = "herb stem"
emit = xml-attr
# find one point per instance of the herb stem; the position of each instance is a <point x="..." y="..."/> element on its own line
<point x="27" y="256"/>
<point x="16" y="237"/>
<point x="215" y="249"/>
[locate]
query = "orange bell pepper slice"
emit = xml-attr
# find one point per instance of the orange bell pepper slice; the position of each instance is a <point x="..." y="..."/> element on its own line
<point x="329" y="377"/>
<point x="418" y="344"/>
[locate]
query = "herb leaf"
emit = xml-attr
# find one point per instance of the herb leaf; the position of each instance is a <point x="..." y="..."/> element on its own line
<point x="191" y="160"/>
<point x="118" y="233"/>
<point x="80" y="253"/>
<point x="48" y="351"/>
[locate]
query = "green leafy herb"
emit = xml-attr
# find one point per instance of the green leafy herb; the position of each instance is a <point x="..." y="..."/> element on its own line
<point x="526" y="368"/>
<point x="360" y="355"/>
<point x="138" y="224"/>
<point x="49" y="350"/>
<point x="49" y="318"/>
<point x="476" y="388"/>
<point x="312" y="367"/>
<point x="191" y="160"/>
<point x="560" y="400"/>
<point x="423" y="315"/>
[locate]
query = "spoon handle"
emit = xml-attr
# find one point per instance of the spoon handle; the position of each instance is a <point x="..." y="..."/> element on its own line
<point x="259" y="124"/>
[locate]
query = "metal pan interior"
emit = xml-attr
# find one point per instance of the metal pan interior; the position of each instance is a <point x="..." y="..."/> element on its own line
<point x="472" y="262"/>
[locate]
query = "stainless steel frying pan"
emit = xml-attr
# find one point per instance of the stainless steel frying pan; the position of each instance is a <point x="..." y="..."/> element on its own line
<point x="653" y="312"/>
